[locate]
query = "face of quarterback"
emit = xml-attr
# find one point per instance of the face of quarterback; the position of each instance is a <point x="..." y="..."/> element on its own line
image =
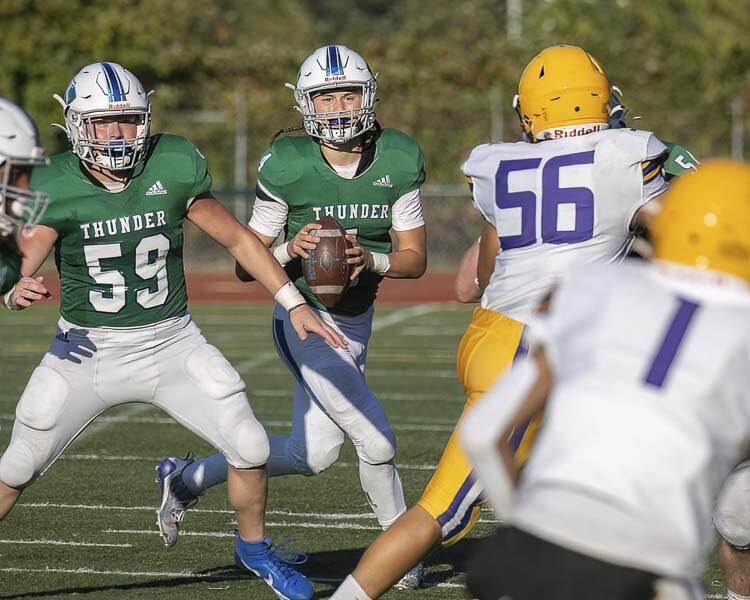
<point x="336" y="107"/>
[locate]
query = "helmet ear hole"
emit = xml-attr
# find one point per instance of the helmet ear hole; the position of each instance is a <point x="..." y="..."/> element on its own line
<point x="577" y="109"/>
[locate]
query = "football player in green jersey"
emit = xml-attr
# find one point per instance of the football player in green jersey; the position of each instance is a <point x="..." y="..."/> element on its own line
<point x="369" y="179"/>
<point x="119" y="199"/>
<point x="20" y="207"/>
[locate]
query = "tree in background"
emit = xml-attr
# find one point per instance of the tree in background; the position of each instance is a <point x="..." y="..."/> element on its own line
<point x="447" y="68"/>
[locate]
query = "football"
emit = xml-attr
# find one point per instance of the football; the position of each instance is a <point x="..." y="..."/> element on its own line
<point x="326" y="271"/>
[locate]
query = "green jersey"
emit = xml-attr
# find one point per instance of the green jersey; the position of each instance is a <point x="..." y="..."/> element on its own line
<point x="294" y="174"/>
<point x="10" y="264"/>
<point x="679" y="161"/>
<point x="120" y="253"/>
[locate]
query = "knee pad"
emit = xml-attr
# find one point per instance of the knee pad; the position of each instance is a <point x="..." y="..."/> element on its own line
<point x="43" y="399"/>
<point x="38" y="411"/>
<point x="316" y="459"/>
<point x="248" y="440"/>
<point x="208" y="368"/>
<point x="732" y="512"/>
<point x="378" y="448"/>
<point x="18" y="465"/>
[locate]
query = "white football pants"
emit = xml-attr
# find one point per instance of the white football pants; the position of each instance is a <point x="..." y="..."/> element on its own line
<point x="168" y="364"/>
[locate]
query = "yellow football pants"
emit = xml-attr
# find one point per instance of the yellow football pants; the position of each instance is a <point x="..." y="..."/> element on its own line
<point x="488" y="347"/>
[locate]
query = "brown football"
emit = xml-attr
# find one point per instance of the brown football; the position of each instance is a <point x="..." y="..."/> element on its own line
<point x="326" y="271"/>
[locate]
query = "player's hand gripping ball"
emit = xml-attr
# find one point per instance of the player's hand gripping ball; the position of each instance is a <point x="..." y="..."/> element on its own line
<point x="326" y="270"/>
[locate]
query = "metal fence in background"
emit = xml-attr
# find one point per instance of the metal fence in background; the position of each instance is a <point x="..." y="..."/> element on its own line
<point x="452" y="225"/>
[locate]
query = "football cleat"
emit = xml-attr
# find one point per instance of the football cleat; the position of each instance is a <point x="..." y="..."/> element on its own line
<point x="261" y="558"/>
<point x="176" y="498"/>
<point x="412" y="580"/>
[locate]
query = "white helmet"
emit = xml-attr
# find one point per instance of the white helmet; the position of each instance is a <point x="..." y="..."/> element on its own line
<point x="329" y="68"/>
<point x="105" y="89"/>
<point x="19" y="148"/>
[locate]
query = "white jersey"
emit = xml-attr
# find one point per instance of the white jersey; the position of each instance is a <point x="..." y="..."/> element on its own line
<point x="649" y="413"/>
<point x="559" y="203"/>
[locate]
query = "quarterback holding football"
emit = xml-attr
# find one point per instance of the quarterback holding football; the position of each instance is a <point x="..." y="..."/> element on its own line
<point x="368" y="178"/>
<point x="119" y="199"/>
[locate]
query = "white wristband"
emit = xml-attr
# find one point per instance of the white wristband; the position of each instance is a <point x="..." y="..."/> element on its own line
<point x="8" y="299"/>
<point x="380" y="263"/>
<point x="289" y="297"/>
<point x="281" y="253"/>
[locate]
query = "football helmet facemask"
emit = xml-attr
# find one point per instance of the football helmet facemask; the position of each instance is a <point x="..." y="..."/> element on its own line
<point x="328" y="69"/>
<point x="704" y="220"/>
<point x="19" y="151"/>
<point x="106" y="90"/>
<point x="563" y="92"/>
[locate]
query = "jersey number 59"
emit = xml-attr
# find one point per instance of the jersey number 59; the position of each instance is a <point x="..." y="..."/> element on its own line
<point x="108" y="295"/>
<point x="552" y="198"/>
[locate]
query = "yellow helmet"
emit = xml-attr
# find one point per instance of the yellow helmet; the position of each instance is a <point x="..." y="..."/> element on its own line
<point x="562" y="87"/>
<point x="705" y="219"/>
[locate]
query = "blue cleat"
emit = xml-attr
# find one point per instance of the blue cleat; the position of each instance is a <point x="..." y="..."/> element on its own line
<point x="261" y="559"/>
<point x="176" y="498"/>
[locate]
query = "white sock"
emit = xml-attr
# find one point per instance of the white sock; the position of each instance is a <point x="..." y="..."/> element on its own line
<point x="350" y="590"/>
<point x="382" y="486"/>
<point x="735" y="596"/>
<point x="205" y="473"/>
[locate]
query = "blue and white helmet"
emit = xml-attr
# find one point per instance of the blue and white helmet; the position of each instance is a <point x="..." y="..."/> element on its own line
<point x="330" y="68"/>
<point x="105" y="89"/>
<point x="19" y="149"/>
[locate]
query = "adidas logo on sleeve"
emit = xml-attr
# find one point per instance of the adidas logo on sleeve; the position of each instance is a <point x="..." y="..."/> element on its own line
<point x="384" y="181"/>
<point x="157" y="189"/>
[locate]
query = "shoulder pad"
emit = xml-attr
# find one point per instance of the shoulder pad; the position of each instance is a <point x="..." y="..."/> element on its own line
<point x="283" y="162"/>
<point x="637" y="145"/>
<point x="395" y="141"/>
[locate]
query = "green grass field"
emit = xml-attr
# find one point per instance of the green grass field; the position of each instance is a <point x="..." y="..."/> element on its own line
<point x="87" y="528"/>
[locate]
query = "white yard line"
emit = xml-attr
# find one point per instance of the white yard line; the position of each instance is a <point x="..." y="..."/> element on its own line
<point x="181" y="574"/>
<point x="156" y="459"/>
<point x="105" y="422"/>
<point x="300" y="525"/>
<point x="65" y="543"/>
<point x="218" y="511"/>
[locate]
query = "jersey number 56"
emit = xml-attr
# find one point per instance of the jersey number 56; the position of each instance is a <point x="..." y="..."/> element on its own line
<point x="553" y="197"/>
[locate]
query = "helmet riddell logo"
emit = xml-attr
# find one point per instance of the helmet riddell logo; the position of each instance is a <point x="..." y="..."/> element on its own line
<point x="118" y="105"/>
<point x="336" y="78"/>
<point x="566" y="132"/>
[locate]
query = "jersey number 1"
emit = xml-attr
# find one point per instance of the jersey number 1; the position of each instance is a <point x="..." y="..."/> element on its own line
<point x="669" y="346"/>
<point x="582" y="198"/>
<point x="150" y="262"/>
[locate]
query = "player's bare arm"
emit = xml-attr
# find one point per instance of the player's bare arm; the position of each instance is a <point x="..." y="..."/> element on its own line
<point x="29" y="289"/>
<point x="408" y="262"/>
<point x="467" y="284"/>
<point x="250" y="252"/>
<point x="485" y="430"/>
<point x="489" y="246"/>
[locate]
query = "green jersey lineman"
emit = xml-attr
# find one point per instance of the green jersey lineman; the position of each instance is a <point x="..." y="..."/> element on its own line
<point x="119" y="199"/>
<point x="295" y="180"/>
<point x="120" y="253"/>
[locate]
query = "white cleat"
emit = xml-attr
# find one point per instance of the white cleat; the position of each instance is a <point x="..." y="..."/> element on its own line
<point x="176" y="498"/>
<point x="412" y="580"/>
